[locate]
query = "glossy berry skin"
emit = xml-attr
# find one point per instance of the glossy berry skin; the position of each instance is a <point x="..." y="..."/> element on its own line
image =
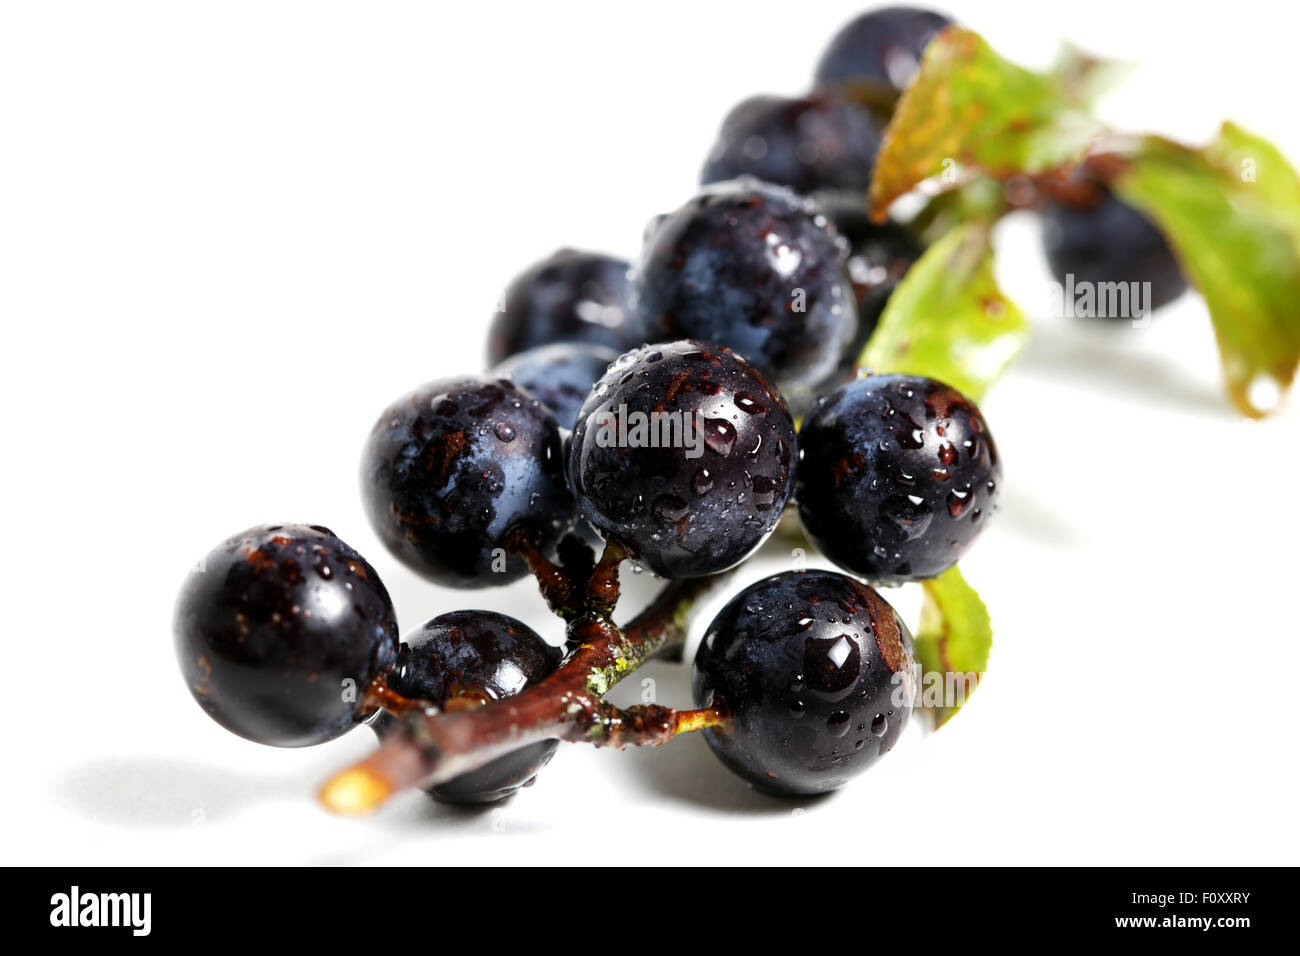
<point x="714" y="493"/>
<point x="880" y="254"/>
<point x="881" y="48"/>
<point x="897" y="475"/>
<point x="755" y="268"/>
<point x="570" y="296"/>
<point x="483" y="656"/>
<point x="818" y="142"/>
<point x="280" y="630"/>
<point x="1110" y="241"/>
<point x="561" y="375"/>
<point x="817" y="673"/>
<point x="451" y="469"/>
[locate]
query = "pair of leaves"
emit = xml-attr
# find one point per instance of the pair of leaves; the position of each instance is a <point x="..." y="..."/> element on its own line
<point x="1230" y="210"/>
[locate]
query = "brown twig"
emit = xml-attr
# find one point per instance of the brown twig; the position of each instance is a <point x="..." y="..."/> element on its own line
<point x="380" y="695"/>
<point x="427" y="748"/>
<point x="557" y="587"/>
<point x="602" y="586"/>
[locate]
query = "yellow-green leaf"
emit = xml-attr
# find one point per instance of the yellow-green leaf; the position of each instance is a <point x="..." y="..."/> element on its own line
<point x="970" y="107"/>
<point x="1259" y="174"/>
<point x="952" y="644"/>
<point x="948" y="319"/>
<point x="1231" y="214"/>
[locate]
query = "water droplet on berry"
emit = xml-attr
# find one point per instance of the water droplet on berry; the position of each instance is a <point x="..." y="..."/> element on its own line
<point x="831" y="665"/>
<point x="719" y="436"/>
<point x="959" y="499"/>
<point x="838" y="723"/>
<point x="909" y="515"/>
<point x="879" y="725"/>
<point x="703" y="481"/>
<point x="670" y="508"/>
<point x="504" y="432"/>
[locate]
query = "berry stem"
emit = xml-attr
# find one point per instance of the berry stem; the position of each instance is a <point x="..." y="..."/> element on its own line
<point x="425" y="748"/>
<point x="379" y="694"/>
<point x="564" y="594"/>
<point x="554" y="582"/>
<point x="602" y="586"/>
<point x="1084" y="189"/>
<point x="1076" y="192"/>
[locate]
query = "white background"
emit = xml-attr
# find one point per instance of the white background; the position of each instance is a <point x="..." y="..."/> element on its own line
<point x="231" y="232"/>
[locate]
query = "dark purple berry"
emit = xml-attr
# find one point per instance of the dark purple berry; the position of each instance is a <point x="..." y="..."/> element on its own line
<point x="684" y="453"/>
<point x="881" y="48"/>
<point x="817" y="142"/>
<point x="897" y="475"/>
<point x="755" y="268"/>
<point x="475" y="657"/>
<point x="560" y="375"/>
<point x="817" y="675"/>
<point x="880" y="254"/>
<point x="1110" y="242"/>
<point x="451" y="469"/>
<point x="280" y="630"/>
<point x="570" y="297"/>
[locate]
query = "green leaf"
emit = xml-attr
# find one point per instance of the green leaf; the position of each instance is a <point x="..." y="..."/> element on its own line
<point x="1258" y="173"/>
<point x="969" y="106"/>
<point x="952" y="644"/>
<point x="1231" y="214"/>
<point x="948" y="319"/>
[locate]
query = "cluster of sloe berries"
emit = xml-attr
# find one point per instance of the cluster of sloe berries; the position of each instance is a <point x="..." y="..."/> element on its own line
<point x="753" y="298"/>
